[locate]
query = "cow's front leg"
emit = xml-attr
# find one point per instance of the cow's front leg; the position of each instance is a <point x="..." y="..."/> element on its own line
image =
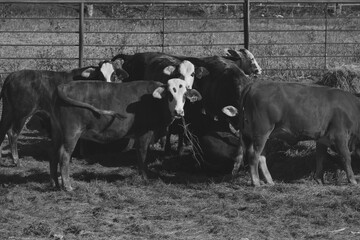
<point x="143" y="145"/>
<point x="254" y="165"/>
<point x="64" y="157"/>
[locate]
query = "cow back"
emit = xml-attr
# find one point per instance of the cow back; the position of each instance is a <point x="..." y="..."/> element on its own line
<point x="132" y="100"/>
<point x="300" y="111"/>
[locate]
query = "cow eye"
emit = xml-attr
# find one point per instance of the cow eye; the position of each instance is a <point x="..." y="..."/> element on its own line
<point x="193" y="74"/>
<point x="180" y="86"/>
<point x="174" y="89"/>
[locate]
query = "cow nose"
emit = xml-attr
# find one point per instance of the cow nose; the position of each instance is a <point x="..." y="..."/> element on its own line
<point x="179" y="113"/>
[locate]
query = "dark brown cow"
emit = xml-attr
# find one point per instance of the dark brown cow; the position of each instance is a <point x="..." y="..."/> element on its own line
<point x="295" y="112"/>
<point x="221" y="87"/>
<point x="27" y="92"/>
<point x="145" y="109"/>
<point x="160" y="67"/>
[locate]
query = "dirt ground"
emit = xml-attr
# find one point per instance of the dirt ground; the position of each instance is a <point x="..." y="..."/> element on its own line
<point x="111" y="201"/>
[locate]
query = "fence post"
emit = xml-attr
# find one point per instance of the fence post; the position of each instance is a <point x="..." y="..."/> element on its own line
<point x="246" y="13"/>
<point x="81" y="35"/>
<point x="163" y="28"/>
<point x="326" y="35"/>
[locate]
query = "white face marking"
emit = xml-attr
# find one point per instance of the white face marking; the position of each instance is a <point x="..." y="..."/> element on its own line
<point x="107" y="69"/>
<point x="254" y="66"/>
<point x="187" y="72"/>
<point x="177" y="88"/>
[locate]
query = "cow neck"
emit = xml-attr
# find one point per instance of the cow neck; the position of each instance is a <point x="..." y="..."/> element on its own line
<point x="166" y="117"/>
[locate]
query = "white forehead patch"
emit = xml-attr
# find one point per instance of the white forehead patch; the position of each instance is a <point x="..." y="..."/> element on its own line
<point x="177" y="87"/>
<point x="249" y="54"/>
<point x="187" y="71"/>
<point x="255" y="67"/>
<point x="107" y="69"/>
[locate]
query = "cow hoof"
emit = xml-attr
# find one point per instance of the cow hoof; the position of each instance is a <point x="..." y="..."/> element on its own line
<point x="353" y="182"/>
<point x="319" y="181"/>
<point x="271" y="183"/>
<point x="68" y="188"/>
<point x="19" y="165"/>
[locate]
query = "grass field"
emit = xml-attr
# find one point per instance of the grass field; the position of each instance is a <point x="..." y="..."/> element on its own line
<point x="111" y="201"/>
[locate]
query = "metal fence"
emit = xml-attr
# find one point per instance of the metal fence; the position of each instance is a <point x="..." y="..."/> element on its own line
<point x="304" y="38"/>
<point x="288" y="37"/>
<point x="60" y="36"/>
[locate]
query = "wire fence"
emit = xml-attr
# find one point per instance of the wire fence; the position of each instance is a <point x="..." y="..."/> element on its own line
<point x="287" y="37"/>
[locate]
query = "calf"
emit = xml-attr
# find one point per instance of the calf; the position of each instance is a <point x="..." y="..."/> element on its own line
<point x="144" y="110"/>
<point x="27" y="92"/>
<point x="295" y="112"/>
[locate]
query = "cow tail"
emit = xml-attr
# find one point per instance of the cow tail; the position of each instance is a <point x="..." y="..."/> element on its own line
<point x="76" y="103"/>
<point x="242" y="102"/>
<point x="241" y="152"/>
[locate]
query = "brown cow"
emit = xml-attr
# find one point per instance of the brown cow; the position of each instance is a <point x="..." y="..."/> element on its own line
<point x="295" y="112"/>
<point x="27" y="92"/>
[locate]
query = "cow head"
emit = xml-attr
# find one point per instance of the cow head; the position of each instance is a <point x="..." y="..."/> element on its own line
<point x="113" y="71"/>
<point x="176" y="92"/>
<point x="110" y="71"/>
<point x="232" y="112"/>
<point x="245" y="60"/>
<point x="186" y="71"/>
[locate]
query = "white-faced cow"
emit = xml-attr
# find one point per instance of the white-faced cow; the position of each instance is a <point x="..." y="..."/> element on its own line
<point x="145" y="108"/>
<point x="295" y="112"/>
<point x="27" y="92"/>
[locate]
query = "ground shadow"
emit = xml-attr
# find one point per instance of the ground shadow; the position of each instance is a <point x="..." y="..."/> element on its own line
<point x="21" y="177"/>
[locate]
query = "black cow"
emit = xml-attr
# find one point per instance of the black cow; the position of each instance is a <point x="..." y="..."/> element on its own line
<point x="145" y="108"/>
<point x="295" y="112"/>
<point x="27" y="92"/>
<point x="221" y="87"/>
<point x="158" y="66"/>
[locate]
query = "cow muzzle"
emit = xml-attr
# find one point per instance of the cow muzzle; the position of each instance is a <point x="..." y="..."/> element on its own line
<point x="179" y="113"/>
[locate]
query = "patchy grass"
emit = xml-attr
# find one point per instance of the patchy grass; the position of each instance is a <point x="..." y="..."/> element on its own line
<point x="345" y="77"/>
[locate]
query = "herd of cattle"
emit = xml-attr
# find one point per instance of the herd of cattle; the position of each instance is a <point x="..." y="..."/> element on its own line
<point x="144" y="96"/>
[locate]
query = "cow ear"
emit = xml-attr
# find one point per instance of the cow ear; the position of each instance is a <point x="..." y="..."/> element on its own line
<point x="193" y="95"/>
<point x="201" y="72"/>
<point x="87" y="72"/>
<point x="230" y="111"/>
<point x="119" y="62"/>
<point x="231" y="53"/>
<point x="159" y="92"/>
<point x="169" y="70"/>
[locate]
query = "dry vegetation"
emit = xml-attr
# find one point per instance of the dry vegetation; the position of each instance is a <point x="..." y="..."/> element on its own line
<point x="112" y="202"/>
<point x="185" y="202"/>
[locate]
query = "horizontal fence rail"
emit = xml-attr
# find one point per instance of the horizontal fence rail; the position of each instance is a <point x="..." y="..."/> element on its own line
<point x="36" y="38"/>
<point x="287" y="37"/>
